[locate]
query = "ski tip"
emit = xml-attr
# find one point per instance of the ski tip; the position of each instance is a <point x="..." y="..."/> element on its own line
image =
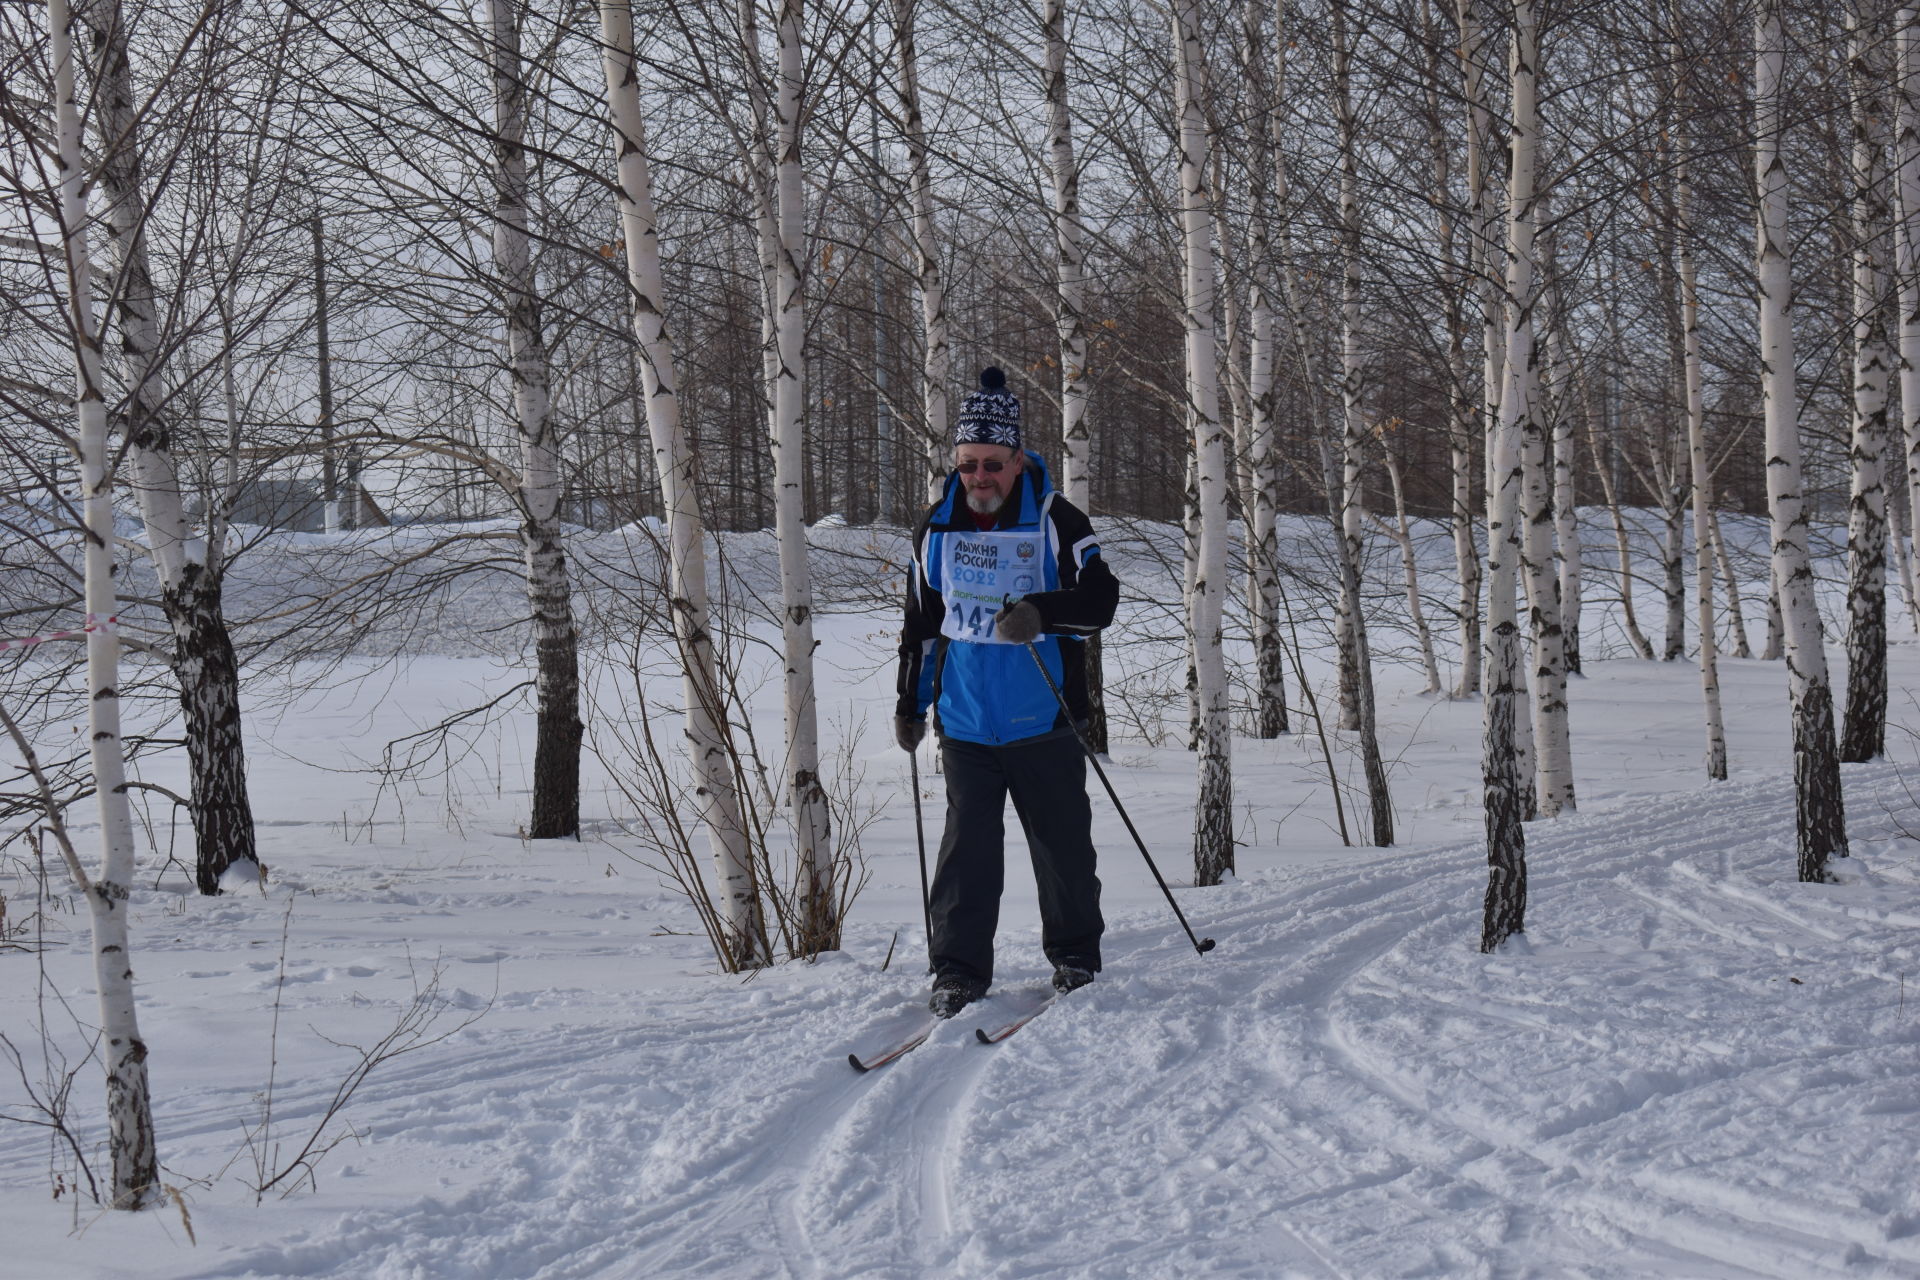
<point x="858" y="1065"/>
<point x="982" y="1036"/>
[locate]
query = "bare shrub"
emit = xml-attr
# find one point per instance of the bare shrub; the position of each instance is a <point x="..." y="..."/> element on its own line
<point x="666" y="830"/>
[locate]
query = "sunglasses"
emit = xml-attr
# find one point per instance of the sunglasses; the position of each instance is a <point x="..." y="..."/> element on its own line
<point x="992" y="466"/>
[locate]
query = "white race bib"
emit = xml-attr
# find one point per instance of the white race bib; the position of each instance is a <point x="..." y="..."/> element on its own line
<point x="979" y="572"/>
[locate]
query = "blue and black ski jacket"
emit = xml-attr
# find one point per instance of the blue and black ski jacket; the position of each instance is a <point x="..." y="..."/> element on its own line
<point x="992" y="693"/>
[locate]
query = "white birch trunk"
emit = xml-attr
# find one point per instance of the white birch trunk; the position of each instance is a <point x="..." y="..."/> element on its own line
<point x="1070" y="322"/>
<point x="1349" y="497"/>
<point x="1776" y="647"/>
<point x="1902" y="561"/>
<point x="1907" y="267"/>
<point x="1213" y="810"/>
<point x="556" y="767"/>
<point x="1696" y="408"/>
<point x="744" y="938"/>
<point x="1403" y="536"/>
<point x="1189" y="584"/>
<point x="759" y="170"/>
<point x="136" y="1171"/>
<point x="1483" y="260"/>
<point x="220" y="518"/>
<point x="887" y="499"/>
<point x="1673" y="557"/>
<point x="1263" y="547"/>
<point x="1820" y="812"/>
<point x="1623" y="553"/>
<point x="203" y="661"/>
<point x="1356" y="685"/>
<point x="1735" y="606"/>
<point x="1233" y="352"/>
<point x="1070" y="269"/>
<point x="1552" y="740"/>
<point x="936" y="364"/>
<point x="1864" y="725"/>
<point x="1566" y="514"/>
<point x="1463" y="425"/>
<point x="1305" y="338"/>
<point x="1504" y="910"/>
<point x="820" y="925"/>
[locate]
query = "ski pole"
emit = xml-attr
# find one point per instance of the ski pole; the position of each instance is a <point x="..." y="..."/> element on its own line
<point x="920" y="835"/>
<point x="1200" y="945"/>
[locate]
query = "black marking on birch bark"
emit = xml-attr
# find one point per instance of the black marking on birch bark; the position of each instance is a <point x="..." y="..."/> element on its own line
<point x="207" y="670"/>
<point x="1819" y="804"/>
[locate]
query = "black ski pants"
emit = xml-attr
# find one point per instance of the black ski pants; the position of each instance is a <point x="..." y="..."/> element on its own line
<point x="1047" y="779"/>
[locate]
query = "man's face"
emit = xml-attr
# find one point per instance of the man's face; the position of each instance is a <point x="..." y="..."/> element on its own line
<point x="987" y="489"/>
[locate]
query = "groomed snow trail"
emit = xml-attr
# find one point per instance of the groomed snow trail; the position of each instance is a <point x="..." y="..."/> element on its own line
<point x="1692" y="1067"/>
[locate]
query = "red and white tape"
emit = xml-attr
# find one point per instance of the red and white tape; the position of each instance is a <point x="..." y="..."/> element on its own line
<point x="94" y="623"/>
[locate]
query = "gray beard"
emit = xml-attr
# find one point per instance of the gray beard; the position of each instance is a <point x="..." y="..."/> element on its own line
<point x="985" y="506"/>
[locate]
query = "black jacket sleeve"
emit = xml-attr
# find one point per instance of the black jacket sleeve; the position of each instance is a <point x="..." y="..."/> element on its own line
<point x="919" y="632"/>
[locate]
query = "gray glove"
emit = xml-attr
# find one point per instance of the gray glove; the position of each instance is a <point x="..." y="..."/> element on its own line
<point x="908" y="731"/>
<point x="1017" y="623"/>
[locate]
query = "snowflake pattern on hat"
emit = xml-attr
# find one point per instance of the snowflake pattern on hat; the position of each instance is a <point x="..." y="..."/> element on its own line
<point x="990" y="415"/>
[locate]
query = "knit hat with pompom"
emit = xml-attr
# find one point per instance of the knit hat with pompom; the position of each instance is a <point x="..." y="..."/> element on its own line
<point x="990" y="415"/>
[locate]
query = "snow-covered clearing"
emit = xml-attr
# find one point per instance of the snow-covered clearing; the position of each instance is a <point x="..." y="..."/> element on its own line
<point x="1694" y="1066"/>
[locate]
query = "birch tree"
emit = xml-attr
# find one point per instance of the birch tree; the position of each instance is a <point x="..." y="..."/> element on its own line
<point x="1504" y="911"/>
<point x="1700" y="471"/>
<point x="1070" y="270"/>
<point x="1213" y="811"/>
<point x="556" y="753"/>
<point x="1736" y="609"/>
<point x="1553" y="749"/>
<point x="1864" y="725"/>
<point x="1556" y="394"/>
<point x="1268" y="173"/>
<point x="1402" y="533"/>
<point x="136" y="1171"/>
<point x="1670" y="485"/>
<point x="1566" y="514"/>
<point x="716" y="786"/>
<point x="1906" y="162"/>
<point x="1345" y="495"/>
<point x="1820" y="812"/>
<point x="1070" y="319"/>
<point x="1623" y="558"/>
<point x="820" y="929"/>
<point x="1466" y="421"/>
<point x="936" y="367"/>
<point x="1483" y="257"/>
<point x="203" y="659"/>
<point x="1347" y="498"/>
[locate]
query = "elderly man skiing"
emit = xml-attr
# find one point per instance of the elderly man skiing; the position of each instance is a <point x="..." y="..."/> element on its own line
<point x="1004" y="570"/>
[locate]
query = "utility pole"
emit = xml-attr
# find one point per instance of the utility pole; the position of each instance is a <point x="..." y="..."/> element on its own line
<point x="329" y="474"/>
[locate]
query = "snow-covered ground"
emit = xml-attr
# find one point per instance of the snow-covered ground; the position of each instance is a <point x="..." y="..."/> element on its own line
<point x="1693" y="1065"/>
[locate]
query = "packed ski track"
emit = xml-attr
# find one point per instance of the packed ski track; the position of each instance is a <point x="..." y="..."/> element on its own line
<point x="1689" y="1066"/>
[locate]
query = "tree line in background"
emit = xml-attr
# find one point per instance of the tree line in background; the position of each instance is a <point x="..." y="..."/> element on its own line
<point x="724" y="266"/>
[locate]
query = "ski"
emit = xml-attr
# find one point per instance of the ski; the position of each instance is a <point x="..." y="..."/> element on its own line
<point x="1006" y="1029"/>
<point x="898" y="1050"/>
